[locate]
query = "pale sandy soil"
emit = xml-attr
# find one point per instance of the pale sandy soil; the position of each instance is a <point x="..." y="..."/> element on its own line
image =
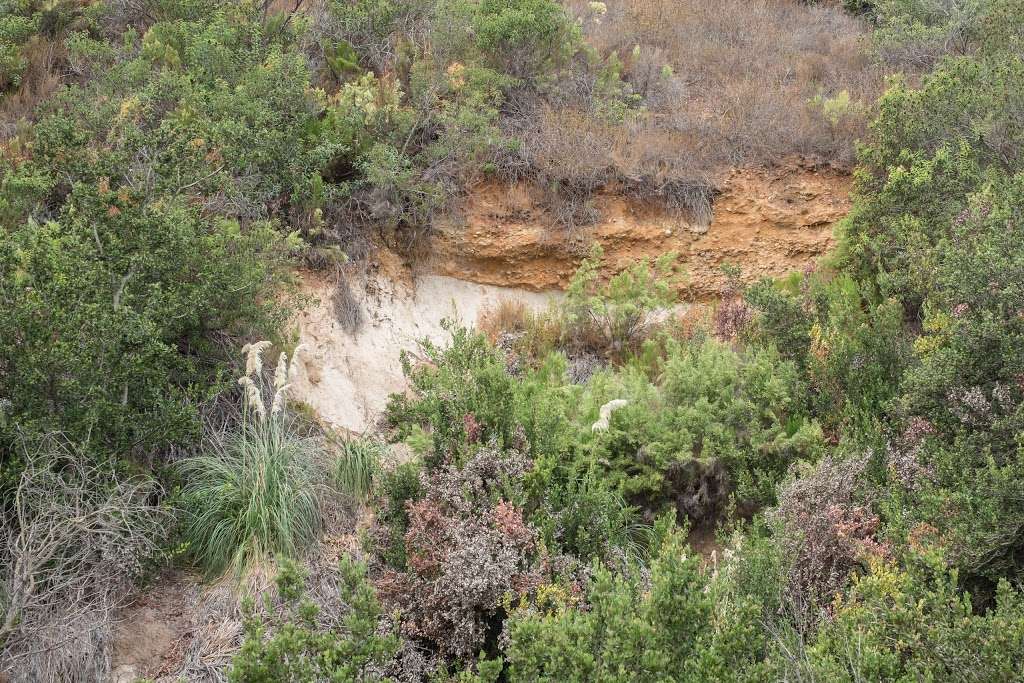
<point x="347" y="378"/>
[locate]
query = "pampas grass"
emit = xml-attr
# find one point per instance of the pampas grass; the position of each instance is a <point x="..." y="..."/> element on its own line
<point x="253" y="493"/>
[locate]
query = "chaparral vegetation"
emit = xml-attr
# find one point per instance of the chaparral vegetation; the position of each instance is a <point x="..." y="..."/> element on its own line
<point x="818" y="477"/>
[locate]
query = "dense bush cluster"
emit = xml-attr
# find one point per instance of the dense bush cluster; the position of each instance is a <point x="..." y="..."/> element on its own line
<point x="819" y="479"/>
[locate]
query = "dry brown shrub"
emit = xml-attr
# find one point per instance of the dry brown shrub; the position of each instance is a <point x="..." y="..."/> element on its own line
<point x="73" y="540"/>
<point x="827" y="530"/>
<point x="506" y="316"/>
<point x="41" y="77"/>
<point x="731" y="80"/>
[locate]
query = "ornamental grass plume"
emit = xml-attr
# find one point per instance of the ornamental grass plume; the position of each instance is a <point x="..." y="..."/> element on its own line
<point x="252" y="400"/>
<point x="254" y="493"/>
<point x="281" y="371"/>
<point x="254" y="357"/>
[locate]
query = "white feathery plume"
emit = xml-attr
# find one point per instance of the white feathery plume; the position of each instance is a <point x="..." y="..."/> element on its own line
<point x="281" y="371"/>
<point x="254" y="357"/>
<point x="279" y="398"/>
<point x="606" y="414"/>
<point x="253" y="400"/>
<point x="293" y="369"/>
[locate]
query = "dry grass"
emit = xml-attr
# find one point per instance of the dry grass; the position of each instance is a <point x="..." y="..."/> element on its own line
<point x="506" y="316"/>
<point x="41" y="78"/>
<point x="721" y="83"/>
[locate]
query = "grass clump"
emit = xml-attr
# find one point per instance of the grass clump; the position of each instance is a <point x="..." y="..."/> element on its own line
<point x="254" y="493"/>
<point x="357" y="468"/>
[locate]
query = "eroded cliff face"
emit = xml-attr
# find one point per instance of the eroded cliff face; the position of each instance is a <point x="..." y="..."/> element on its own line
<point x="767" y="222"/>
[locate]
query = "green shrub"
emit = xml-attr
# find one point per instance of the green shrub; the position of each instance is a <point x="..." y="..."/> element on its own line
<point x="677" y="628"/>
<point x="931" y="148"/>
<point x="254" y="493"/>
<point x="288" y="644"/>
<point x="900" y="625"/>
<point x="613" y="319"/>
<point x="399" y="487"/>
<point x="106" y="316"/>
<point x="523" y="38"/>
<point x="717" y="422"/>
<point x="467" y="378"/>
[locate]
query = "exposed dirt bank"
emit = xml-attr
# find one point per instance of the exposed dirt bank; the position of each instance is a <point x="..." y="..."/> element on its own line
<point x="768" y="222"/>
<point x="348" y="377"/>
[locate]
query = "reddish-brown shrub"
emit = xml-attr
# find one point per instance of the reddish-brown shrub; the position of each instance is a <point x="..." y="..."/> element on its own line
<point x="826" y="533"/>
<point x="464" y="555"/>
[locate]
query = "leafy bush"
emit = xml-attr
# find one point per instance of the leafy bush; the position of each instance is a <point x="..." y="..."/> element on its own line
<point x="930" y="151"/>
<point x="915" y="625"/>
<point x="614" y="319"/>
<point x="523" y="38"/>
<point x="106" y="314"/>
<point x="673" y="629"/>
<point x="287" y="645"/>
<point x="917" y="34"/>
<point x="134" y="226"/>
<point x="718" y="421"/>
<point x="965" y="394"/>
<point x="254" y="494"/>
<point x="399" y="487"/>
<point x="467" y="378"/>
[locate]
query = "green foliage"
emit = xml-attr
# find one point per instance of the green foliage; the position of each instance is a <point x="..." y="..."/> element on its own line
<point x="932" y="147"/>
<point x="523" y="38"/>
<point x="289" y="645"/>
<point x="584" y="516"/>
<point x="717" y="419"/>
<point x="105" y="315"/>
<point x="27" y="26"/>
<point x="399" y="487"/>
<point x="254" y="494"/>
<point x="467" y="378"/>
<point x="15" y="30"/>
<point x="967" y="389"/>
<point x="677" y="629"/>
<point x="915" y="34"/>
<point x="614" y="318"/>
<point x="135" y="225"/>
<point x="358" y="467"/>
<point x="914" y="625"/>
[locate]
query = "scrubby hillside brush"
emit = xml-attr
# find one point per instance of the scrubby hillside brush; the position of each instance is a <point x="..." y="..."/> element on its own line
<point x="74" y="540"/>
<point x="842" y="448"/>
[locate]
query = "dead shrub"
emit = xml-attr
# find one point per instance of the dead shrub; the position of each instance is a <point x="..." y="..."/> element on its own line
<point x="45" y="58"/>
<point x="826" y="532"/>
<point x="347" y="310"/>
<point x="74" y="539"/>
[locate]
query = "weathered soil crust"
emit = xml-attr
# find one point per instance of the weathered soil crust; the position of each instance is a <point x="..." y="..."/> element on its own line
<point x="766" y="221"/>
